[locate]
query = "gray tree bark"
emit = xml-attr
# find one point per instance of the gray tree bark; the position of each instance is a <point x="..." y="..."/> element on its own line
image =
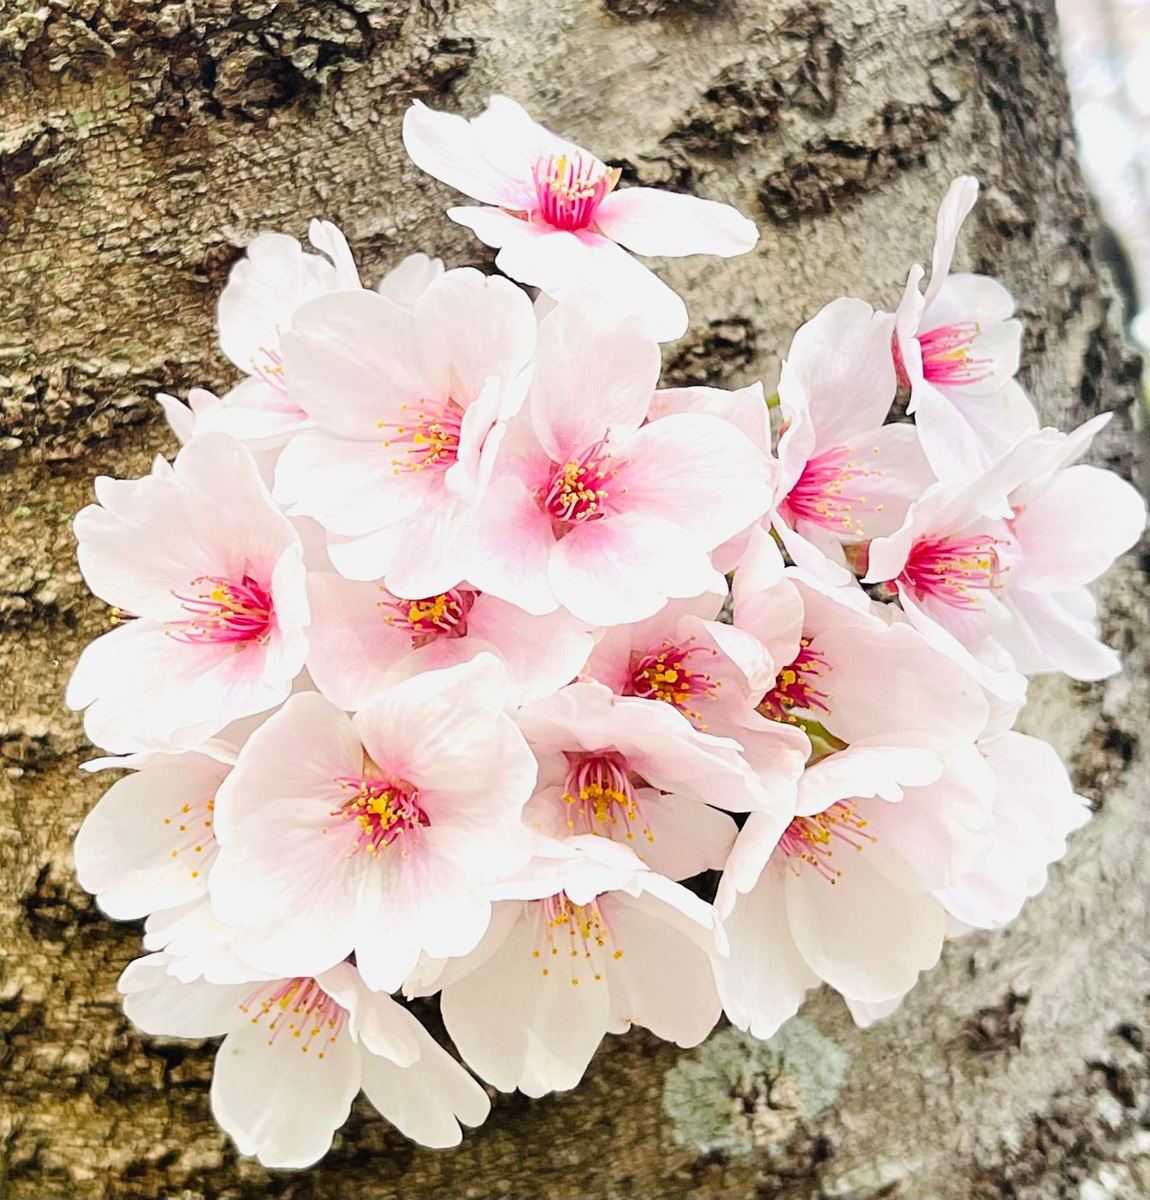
<point x="142" y="145"/>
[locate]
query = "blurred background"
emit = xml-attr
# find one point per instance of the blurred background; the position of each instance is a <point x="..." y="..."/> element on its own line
<point x="1106" y="44"/>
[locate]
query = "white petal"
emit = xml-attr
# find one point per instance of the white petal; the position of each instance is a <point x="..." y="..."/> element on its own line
<point x="653" y="222"/>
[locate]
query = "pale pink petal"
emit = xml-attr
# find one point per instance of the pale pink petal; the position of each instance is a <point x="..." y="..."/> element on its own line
<point x="653" y="222"/>
<point x="354" y="360"/>
<point x="865" y="1014"/>
<point x="870" y="767"/>
<point x="482" y="326"/>
<point x="625" y="567"/>
<point x="258" y="1084"/>
<point x="664" y="979"/>
<point x="697" y="471"/>
<point x="405" y="283"/>
<point x="1057" y="631"/>
<point x="764" y="979"/>
<point x="137" y="849"/>
<point x="745" y="408"/>
<point x="590" y="377"/>
<point x="426" y="1101"/>
<point x="841" y="359"/>
<point x="861" y="934"/>
<point x="158" y="1003"/>
<point x="351" y="645"/>
<point x="613" y="270"/>
<point x="273" y="279"/>
<point x="509" y="542"/>
<point x="1076" y="528"/>
<point x="955" y="206"/>
<point x="326" y="477"/>
<point x="446" y="146"/>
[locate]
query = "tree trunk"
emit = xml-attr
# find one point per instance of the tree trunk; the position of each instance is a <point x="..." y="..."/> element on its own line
<point x="143" y="145"/>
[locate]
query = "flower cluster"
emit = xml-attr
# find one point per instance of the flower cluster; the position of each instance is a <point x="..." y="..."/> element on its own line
<point x="450" y="646"/>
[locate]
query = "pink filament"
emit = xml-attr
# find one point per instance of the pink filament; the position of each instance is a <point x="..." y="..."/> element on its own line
<point x="433" y="617"/>
<point x="809" y="839"/>
<point x="666" y="674"/>
<point x="426" y="439"/>
<point x="796" y="686"/>
<point x="601" y="798"/>
<point x="298" y="1008"/>
<point x="819" y="494"/>
<point x="382" y="813"/>
<point x="226" y="612"/>
<point x="576" y="493"/>
<point x="589" y="932"/>
<point x="946" y="355"/>
<point x="569" y="189"/>
<point x="954" y="570"/>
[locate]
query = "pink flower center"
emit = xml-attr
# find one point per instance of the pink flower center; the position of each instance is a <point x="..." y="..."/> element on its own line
<point x="666" y="674"/>
<point x="297" y="1008"/>
<point x="380" y="812"/>
<point x="588" y="933"/>
<point x="797" y="686"/>
<point x="810" y="839"/>
<point x="224" y="611"/>
<point x="195" y="838"/>
<point x="953" y="570"/>
<point x="569" y="188"/>
<point x="576" y="492"/>
<point x="947" y="357"/>
<point x="601" y="798"/>
<point x="820" y="494"/>
<point x="425" y="620"/>
<point x="428" y="439"/>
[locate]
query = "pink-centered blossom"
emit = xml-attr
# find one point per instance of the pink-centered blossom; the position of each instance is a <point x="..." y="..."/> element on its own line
<point x="579" y="947"/>
<point x="840" y="668"/>
<point x="150" y="841"/>
<point x="637" y="771"/>
<point x="376" y="834"/>
<point x="207" y="579"/>
<point x="1035" y="810"/>
<point x="994" y="572"/>
<point x="711" y="672"/>
<point x="555" y="214"/>
<point x="844" y="476"/>
<point x="297" y="1051"/>
<point x="265" y="288"/>
<point x="592" y="506"/>
<point x="843" y="893"/>
<point x="409" y="407"/>
<point x="362" y="637"/>
<point x="1071" y="521"/>
<point x="957" y="349"/>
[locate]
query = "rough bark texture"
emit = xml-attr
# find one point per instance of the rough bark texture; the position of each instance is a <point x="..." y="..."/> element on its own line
<point x="142" y="145"/>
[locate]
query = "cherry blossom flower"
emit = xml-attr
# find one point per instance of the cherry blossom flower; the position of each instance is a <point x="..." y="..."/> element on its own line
<point x="1035" y="809"/>
<point x="150" y="841"/>
<point x="265" y="288"/>
<point x="948" y="564"/>
<point x="957" y="349"/>
<point x="714" y="674"/>
<point x="409" y="407"/>
<point x="579" y="947"/>
<point x="844" y="476"/>
<point x="375" y="834"/>
<point x="1071" y="521"/>
<point x="843" y="671"/>
<point x="363" y="637"/>
<point x="297" y="1051"/>
<point x="593" y="509"/>
<point x="636" y="771"/>
<point x="993" y="572"/>
<point x="212" y="575"/>
<point x="843" y="893"/>
<point x="553" y="211"/>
